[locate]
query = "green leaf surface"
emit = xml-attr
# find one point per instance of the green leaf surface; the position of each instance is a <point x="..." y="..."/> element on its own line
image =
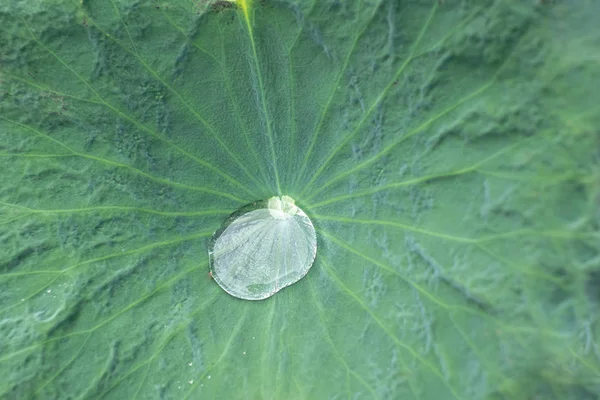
<point x="447" y="153"/>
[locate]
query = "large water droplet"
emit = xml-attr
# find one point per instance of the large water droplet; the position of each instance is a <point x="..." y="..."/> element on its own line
<point x="262" y="248"/>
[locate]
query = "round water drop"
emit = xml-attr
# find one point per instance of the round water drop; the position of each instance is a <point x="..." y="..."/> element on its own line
<point x="262" y="248"/>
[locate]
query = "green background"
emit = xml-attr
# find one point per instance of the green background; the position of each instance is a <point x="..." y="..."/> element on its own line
<point x="447" y="153"/>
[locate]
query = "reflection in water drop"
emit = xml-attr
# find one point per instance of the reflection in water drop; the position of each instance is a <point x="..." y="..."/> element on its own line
<point x="262" y="248"/>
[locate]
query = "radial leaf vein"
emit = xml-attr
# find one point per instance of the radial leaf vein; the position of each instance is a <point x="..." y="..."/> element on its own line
<point x="333" y="276"/>
<point x="314" y="137"/>
<point x="375" y="104"/>
<point x="124" y="166"/>
<point x="331" y="343"/>
<point x="211" y="129"/>
<point x="409" y="182"/>
<point x="163" y="345"/>
<point x="245" y="5"/>
<point x="137" y="123"/>
<point x="120" y="209"/>
<point x="99" y="325"/>
<point x="234" y="334"/>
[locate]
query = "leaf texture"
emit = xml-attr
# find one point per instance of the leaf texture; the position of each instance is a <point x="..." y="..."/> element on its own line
<point x="447" y="153"/>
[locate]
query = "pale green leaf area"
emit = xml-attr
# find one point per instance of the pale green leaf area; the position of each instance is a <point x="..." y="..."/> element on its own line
<point x="447" y="152"/>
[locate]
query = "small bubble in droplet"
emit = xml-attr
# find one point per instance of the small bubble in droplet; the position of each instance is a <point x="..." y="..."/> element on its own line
<point x="190" y="363"/>
<point x="49" y="290"/>
<point x="191" y="381"/>
<point x="209" y="377"/>
<point x="244" y="353"/>
<point x="253" y="337"/>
